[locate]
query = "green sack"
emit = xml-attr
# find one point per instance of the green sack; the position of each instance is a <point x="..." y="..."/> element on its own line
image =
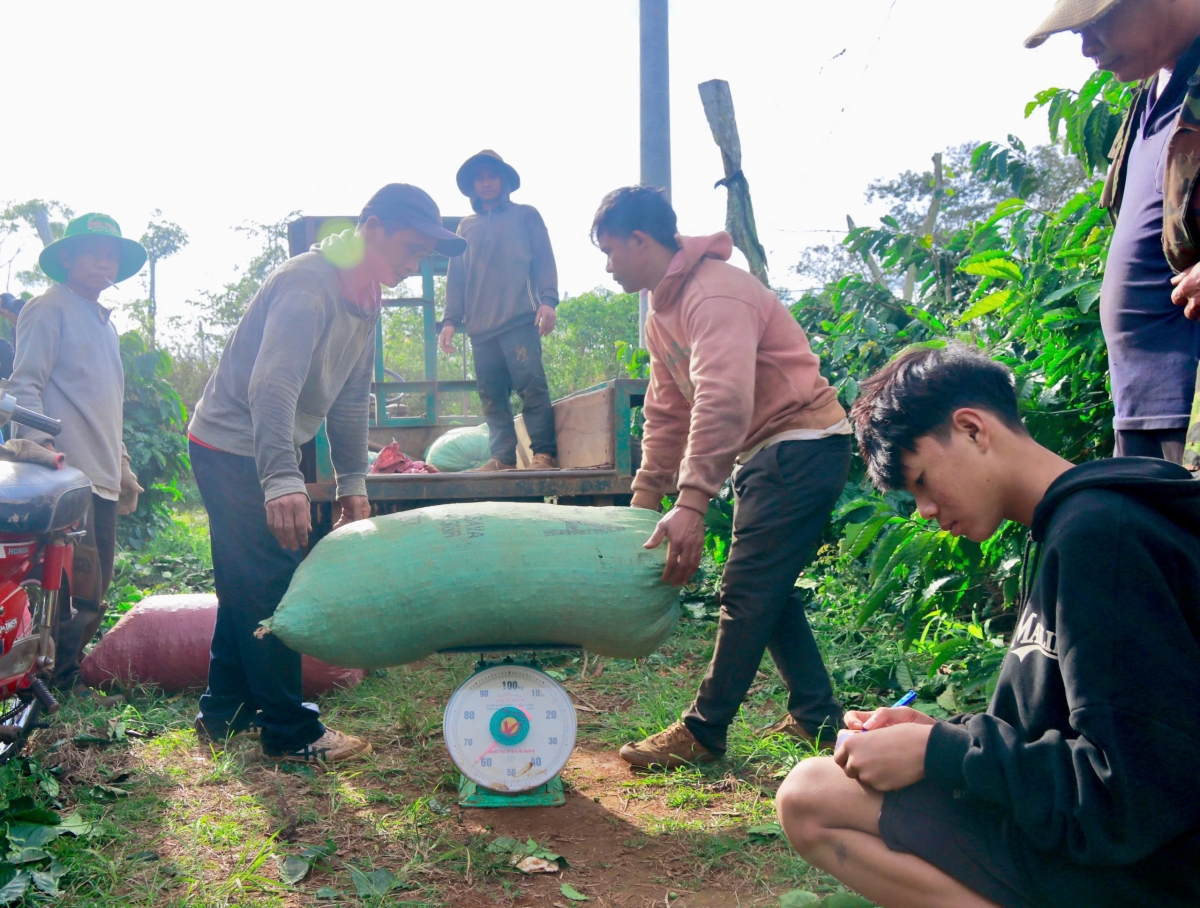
<point x="460" y="449"/>
<point x="398" y="588"/>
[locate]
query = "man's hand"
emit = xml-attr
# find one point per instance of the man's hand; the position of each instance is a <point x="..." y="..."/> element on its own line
<point x="857" y="720"/>
<point x="290" y="519"/>
<point x="888" y="758"/>
<point x="1187" y="292"/>
<point x="684" y="531"/>
<point x="446" y="340"/>
<point x="546" y="318"/>
<point x="354" y="507"/>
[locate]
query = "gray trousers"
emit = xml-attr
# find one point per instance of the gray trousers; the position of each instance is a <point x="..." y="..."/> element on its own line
<point x="79" y="617"/>
<point x="782" y="501"/>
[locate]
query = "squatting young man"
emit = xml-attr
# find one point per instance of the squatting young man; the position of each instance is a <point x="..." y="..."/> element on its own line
<point x="1077" y="787"/>
<point x="68" y="366"/>
<point x="303" y="352"/>
<point x="503" y="291"/>
<point x="732" y="382"/>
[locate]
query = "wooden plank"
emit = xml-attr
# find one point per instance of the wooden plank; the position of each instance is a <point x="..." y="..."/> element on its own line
<point x="583" y="428"/>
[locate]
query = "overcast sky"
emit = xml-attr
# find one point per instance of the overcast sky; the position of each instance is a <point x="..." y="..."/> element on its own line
<point x="220" y="113"/>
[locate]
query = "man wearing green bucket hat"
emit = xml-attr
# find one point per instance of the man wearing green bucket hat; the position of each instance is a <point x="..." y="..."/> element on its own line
<point x="1150" y="299"/>
<point x="68" y="366"/>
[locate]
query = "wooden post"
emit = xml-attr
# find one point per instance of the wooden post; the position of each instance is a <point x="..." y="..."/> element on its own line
<point x="739" y="212"/>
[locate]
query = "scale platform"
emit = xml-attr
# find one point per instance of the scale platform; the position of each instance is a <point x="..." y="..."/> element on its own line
<point x="510" y="729"/>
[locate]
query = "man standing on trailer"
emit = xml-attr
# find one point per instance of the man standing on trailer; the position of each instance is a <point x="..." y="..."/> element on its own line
<point x="732" y="380"/>
<point x="303" y="353"/>
<point x="503" y="291"/>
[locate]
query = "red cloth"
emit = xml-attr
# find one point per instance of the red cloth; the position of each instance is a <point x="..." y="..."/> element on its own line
<point x="392" y="460"/>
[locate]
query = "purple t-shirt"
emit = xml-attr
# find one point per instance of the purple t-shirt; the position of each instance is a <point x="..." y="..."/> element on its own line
<point x="1152" y="348"/>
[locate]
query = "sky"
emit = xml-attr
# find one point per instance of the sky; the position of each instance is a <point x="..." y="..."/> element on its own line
<point x="224" y="113"/>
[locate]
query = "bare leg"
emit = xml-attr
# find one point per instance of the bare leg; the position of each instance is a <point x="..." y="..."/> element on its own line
<point x="833" y="822"/>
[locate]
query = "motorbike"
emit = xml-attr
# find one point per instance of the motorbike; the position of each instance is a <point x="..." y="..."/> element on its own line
<point x="41" y="514"/>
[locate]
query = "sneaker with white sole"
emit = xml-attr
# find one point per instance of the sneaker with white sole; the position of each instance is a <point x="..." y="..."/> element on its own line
<point x="331" y="747"/>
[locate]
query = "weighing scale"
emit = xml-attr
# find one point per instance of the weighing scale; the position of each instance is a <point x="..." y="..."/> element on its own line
<point x="510" y="729"/>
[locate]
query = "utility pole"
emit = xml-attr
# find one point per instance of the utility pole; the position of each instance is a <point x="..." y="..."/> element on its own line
<point x="656" y="114"/>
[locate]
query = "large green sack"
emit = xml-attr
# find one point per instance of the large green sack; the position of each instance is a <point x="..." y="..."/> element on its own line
<point x="460" y="449"/>
<point x="398" y="588"/>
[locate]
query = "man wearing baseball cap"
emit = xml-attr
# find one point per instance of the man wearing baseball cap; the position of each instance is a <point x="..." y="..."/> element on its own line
<point x="303" y="353"/>
<point x="68" y="366"/>
<point x="1150" y="326"/>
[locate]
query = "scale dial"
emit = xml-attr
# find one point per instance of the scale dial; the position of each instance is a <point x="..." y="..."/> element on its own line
<point x="510" y="728"/>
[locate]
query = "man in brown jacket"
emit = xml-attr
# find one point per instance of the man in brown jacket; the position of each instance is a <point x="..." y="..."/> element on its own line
<point x="732" y="381"/>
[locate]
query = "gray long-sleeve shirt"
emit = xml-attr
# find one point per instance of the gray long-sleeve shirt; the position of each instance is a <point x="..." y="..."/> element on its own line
<point x="301" y="354"/>
<point x="68" y="366"/>
<point x="507" y="271"/>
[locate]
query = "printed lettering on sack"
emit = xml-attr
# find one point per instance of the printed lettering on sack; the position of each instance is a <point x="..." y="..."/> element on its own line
<point x="1032" y="636"/>
<point x="453" y="527"/>
<point x="580" y="528"/>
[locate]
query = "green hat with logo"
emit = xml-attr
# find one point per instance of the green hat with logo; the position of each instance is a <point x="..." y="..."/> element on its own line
<point x="133" y="256"/>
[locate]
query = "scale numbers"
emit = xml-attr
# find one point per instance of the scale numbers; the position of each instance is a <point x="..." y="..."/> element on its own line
<point x="510" y="728"/>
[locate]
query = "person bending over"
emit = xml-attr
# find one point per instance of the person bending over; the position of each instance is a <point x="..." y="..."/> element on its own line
<point x="1077" y="787"/>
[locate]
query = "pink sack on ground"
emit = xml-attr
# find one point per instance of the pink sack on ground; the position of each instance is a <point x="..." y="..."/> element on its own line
<point x="164" y="641"/>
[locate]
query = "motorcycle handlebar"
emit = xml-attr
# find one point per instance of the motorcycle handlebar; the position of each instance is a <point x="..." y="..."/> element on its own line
<point x="36" y="421"/>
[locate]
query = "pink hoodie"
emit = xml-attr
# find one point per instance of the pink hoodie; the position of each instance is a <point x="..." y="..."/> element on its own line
<point x="708" y="323"/>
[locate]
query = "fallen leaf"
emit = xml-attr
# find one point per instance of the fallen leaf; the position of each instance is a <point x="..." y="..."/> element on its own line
<point x="376" y="882"/>
<point x="761" y="835"/>
<point x="325" y="893"/>
<point x="798" y="898"/>
<point x="13" y="883"/>
<point x="534" y="865"/>
<point x="573" y="894"/>
<point x="844" y="900"/>
<point x="28" y="856"/>
<point x="293" y="869"/>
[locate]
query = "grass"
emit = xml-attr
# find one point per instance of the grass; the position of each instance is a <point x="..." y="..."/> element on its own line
<point x="178" y="824"/>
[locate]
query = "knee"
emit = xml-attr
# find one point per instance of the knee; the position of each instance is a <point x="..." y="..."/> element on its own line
<point x="803" y="800"/>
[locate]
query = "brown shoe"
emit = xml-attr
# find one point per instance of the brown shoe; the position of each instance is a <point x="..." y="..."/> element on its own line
<point x="331" y="747"/>
<point x="493" y="466"/>
<point x="543" y="462"/>
<point x="668" y="749"/>
<point x="789" y="726"/>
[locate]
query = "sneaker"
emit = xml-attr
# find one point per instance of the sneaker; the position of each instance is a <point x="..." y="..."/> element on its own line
<point x="493" y="466"/>
<point x="543" y="462"/>
<point x="668" y="749"/>
<point x="331" y="747"/>
<point x="790" y="727"/>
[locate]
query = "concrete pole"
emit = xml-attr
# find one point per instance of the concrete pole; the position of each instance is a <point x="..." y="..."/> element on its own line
<point x="655" y="114"/>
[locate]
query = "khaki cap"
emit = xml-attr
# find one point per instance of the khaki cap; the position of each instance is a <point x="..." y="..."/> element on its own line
<point x="1069" y="15"/>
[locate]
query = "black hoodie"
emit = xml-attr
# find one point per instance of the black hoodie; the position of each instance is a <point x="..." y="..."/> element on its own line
<point x="1091" y="744"/>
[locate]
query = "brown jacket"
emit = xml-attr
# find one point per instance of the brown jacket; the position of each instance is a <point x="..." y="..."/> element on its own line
<point x="729" y="368"/>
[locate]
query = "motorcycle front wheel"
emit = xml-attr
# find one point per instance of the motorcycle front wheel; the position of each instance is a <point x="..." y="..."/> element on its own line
<point x="17" y="718"/>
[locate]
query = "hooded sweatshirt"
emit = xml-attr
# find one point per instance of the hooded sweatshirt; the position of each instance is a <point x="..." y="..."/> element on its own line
<point x="708" y="322"/>
<point x="1091" y="744"/>
<point x="301" y="354"/>
<point x="506" y="273"/>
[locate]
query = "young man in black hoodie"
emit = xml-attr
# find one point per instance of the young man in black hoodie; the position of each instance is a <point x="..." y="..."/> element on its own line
<point x="1078" y="786"/>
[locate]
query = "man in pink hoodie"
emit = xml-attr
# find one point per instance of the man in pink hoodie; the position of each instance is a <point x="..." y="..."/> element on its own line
<point x="734" y="386"/>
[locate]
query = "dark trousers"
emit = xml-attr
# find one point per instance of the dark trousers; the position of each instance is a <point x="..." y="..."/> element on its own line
<point x="783" y="498"/>
<point x="251" y="571"/>
<point x="1165" y="444"/>
<point x="79" y="618"/>
<point x="512" y="361"/>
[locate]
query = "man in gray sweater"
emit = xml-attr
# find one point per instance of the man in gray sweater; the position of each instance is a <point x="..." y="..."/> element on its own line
<point x="303" y="353"/>
<point x="503" y="292"/>
<point x="68" y="366"/>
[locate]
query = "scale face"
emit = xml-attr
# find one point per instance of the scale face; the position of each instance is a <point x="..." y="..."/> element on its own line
<point x="510" y="728"/>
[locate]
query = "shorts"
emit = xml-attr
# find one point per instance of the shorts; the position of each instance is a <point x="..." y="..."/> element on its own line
<point x="984" y="851"/>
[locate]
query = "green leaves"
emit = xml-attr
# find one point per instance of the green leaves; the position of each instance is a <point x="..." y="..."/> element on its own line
<point x="573" y="894"/>
<point x="988" y="304"/>
<point x="373" y="883"/>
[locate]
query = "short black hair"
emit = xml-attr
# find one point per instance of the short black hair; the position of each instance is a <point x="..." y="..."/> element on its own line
<point x="631" y="208"/>
<point x="917" y="393"/>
